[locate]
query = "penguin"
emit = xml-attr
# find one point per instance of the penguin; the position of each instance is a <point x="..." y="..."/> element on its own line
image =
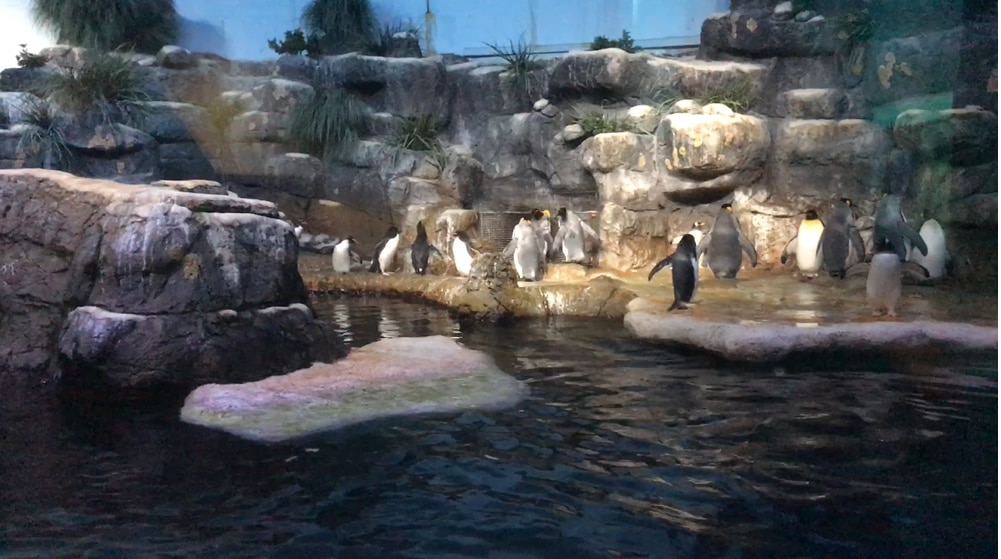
<point x="882" y="286"/>
<point x="342" y="255"/>
<point x="891" y="225"/>
<point x="841" y="243"/>
<point x="937" y="260"/>
<point x="543" y="232"/>
<point x="385" y="252"/>
<point x="524" y="248"/>
<point x="421" y="250"/>
<point x="805" y="246"/>
<point x="576" y="239"/>
<point x="462" y="254"/>
<point x="723" y="244"/>
<point x="297" y="230"/>
<point x="684" y="271"/>
<point x="696" y="231"/>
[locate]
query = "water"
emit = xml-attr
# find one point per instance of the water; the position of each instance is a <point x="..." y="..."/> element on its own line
<point x="622" y="450"/>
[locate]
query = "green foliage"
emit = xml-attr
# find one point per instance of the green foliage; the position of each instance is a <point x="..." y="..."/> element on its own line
<point x="418" y="133"/>
<point x="740" y="95"/>
<point x="625" y="43"/>
<point x="44" y="134"/>
<point x="141" y="25"/>
<point x="106" y="84"/>
<point x="383" y="41"/>
<point x="220" y="114"/>
<point x="521" y="62"/>
<point x="296" y="42"/>
<point x="340" y="25"/>
<point x="26" y="59"/>
<point x="856" y="28"/>
<point x="596" y="121"/>
<point x="663" y="99"/>
<point x="329" y="125"/>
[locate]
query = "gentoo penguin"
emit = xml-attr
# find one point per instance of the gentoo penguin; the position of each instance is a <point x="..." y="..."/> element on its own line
<point x="882" y="286"/>
<point x="576" y="239"/>
<point x="937" y="258"/>
<point x="543" y="232"/>
<point x="462" y="254"/>
<point x="343" y="251"/>
<point x="891" y="225"/>
<point x="840" y="243"/>
<point x="421" y="250"/>
<point x="805" y="246"/>
<point x="385" y="252"/>
<point x="723" y="244"/>
<point x="524" y="247"/>
<point x="684" y="271"/>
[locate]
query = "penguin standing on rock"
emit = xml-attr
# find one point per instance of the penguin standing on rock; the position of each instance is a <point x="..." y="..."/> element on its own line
<point x="543" y="233"/>
<point x="937" y="261"/>
<point x="524" y="248"/>
<point x="576" y="239"/>
<point x="840" y="243"/>
<point x="882" y="286"/>
<point x="462" y="254"/>
<point x="805" y="246"/>
<point x="891" y="225"/>
<point x="385" y="252"/>
<point x="342" y="255"/>
<point x="421" y="250"/>
<point x="684" y="271"/>
<point x="722" y="246"/>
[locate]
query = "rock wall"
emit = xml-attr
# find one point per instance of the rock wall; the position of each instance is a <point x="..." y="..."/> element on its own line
<point x="135" y="287"/>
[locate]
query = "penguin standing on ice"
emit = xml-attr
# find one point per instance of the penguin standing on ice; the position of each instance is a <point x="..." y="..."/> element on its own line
<point x="891" y="225"/>
<point x="421" y="250"/>
<point x="882" y="286"/>
<point x="841" y="244"/>
<point x="524" y="248"/>
<point x="937" y="261"/>
<point x="342" y="255"/>
<point x="385" y="252"/>
<point x="805" y="246"/>
<point x="462" y="254"/>
<point x="723" y="245"/>
<point x="684" y="271"/>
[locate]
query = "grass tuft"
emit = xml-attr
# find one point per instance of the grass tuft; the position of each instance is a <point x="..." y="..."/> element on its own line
<point x="329" y="125"/>
<point x="418" y="133"/>
<point x="521" y="62"/>
<point x="44" y="135"/>
<point x="740" y="95"/>
<point x="107" y="85"/>
<point x="340" y="25"/>
<point x="140" y="25"/>
<point x="596" y="121"/>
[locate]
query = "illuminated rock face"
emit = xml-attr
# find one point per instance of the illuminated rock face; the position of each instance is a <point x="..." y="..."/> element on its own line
<point x="391" y="377"/>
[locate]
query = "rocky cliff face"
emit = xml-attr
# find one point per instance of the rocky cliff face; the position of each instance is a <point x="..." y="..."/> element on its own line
<point x="141" y="286"/>
<point x="780" y="111"/>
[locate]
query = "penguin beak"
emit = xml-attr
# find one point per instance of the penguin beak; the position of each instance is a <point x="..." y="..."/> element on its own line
<point x="546" y="213"/>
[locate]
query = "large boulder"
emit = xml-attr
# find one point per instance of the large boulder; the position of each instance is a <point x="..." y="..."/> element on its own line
<point x="633" y="240"/>
<point x="170" y="122"/>
<point x="962" y="136"/>
<point x="298" y="174"/>
<point x="754" y="36"/>
<point x="401" y="86"/>
<point x="175" y="57"/>
<point x="908" y="66"/>
<point x="706" y="146"/>
<point x="136" y="286"/>
<point x="112" y="150"/>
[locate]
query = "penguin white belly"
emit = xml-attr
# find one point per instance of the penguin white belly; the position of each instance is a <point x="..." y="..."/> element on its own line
<point x="573" y="247"/>
<point x="388" y="254"/>
<point x="695" y="269"/>
<point x="463" y="260"/>
<point x="342" y="259"/>
<point x="807" y="241"/>
<point x="526" y="262"/>
<point x="882" y="287"/>
<point x="934" y="238"/>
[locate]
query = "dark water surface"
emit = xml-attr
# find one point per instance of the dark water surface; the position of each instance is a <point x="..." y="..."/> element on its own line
<point x="622" y="450"/>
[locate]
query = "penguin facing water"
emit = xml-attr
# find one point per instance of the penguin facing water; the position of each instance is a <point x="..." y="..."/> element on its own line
<point x="841" y="243"/>
<point x="684" y="271"/>
<point x="342" y="255"/>
<point x="724" y="243"/>
<point x="420" y="251"/>
<point x="462" y="254"/>
<point x="385" y="252"/>
<point x="805" y="246"/>
<point x="882" y="285"/>
<point x="524" y="248"/>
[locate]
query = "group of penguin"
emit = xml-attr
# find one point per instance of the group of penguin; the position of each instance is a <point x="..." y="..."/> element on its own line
<point x="835" y="246"/>
<point x="532" y="245"/>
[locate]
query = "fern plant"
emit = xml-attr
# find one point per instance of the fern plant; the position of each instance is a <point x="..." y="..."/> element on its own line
<point x="328" y="125"/>
<point x="141" y="25"/>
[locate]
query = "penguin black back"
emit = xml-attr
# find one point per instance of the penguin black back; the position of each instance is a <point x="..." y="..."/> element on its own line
<point x="684" y="271"/>
<point x="841" y="242"/>
<point x="420" y="251"/>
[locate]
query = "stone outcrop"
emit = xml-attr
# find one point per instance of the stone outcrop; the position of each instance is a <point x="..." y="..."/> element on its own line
<point x="135" y="287"/>
<point x="391" y="377"/>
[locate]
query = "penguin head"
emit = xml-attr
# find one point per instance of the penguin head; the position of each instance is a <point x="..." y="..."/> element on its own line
<point x="562" y="214"/>
<point x="421" y="232"/>
<point x="392" y="232"/>
<point x="847" y="202"/>
<point x="352" y="241"/>
<point x="462" y="236"/>
<point x="728" y="207"/>
<point x="811" y="215"/>
<point x="687" y="244"/>
<point x="698" y="225"/>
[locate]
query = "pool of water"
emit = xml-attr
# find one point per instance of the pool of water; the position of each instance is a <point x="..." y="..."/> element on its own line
<point x="621" y="450"/>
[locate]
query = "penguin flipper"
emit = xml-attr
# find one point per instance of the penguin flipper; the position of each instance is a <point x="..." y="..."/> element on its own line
<point x="557" y="241"/>
<point x="789" y="250"/>
<point x="434" y="250"/>
<point x="856" y="241"/>
<point x="509" y="249"/>
<point x="660" y="266"/>
<point x="857" y="269"/>
<point x="914" y="237"/>
<point x="703" y="245"/>
<point x="747" y="247"/>
<point x="915" y="270"/>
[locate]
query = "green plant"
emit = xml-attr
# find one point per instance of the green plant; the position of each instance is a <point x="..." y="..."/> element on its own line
<point x="740" y="95"/>
<point x="44" y="134"/>
<point x="418" y="133"/>
<point x="328" y="125"/>
<point x="439" y="157"/>
<point x="340" y="25"/>
<point x="625" y="42"/>
<point x="220" y="114"/>
<point x="296" y="42"/>
<point x="596" y="121"/>
<point x="107" y="85"/>
<point x="26" y="59"/>
<point x="521" y="63"/>
<point x="382" y="44"/>
<point x="141" y="25"/>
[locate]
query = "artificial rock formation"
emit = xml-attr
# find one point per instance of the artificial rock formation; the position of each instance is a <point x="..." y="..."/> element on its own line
<point x="140" y="286"/>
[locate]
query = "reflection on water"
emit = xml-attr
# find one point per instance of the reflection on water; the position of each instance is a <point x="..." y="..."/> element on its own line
<point x="622" y="450"/>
